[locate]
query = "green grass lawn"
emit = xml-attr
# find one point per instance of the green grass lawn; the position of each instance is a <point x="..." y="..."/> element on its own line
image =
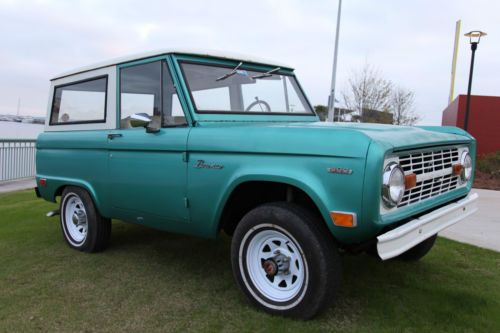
<point x="155" y="281"/>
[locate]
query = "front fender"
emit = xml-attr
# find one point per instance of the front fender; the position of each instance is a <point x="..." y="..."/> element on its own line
<point x="210" y="189"/>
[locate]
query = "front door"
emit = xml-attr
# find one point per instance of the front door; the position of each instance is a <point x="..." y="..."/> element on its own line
<point x="146" y="169"/>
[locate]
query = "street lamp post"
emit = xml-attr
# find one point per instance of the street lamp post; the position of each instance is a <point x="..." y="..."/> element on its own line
<point x="474" y="39"/>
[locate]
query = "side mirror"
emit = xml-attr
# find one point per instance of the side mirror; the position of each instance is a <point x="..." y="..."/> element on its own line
<point x="150" y="129"/>
<point x="139" y="120"/>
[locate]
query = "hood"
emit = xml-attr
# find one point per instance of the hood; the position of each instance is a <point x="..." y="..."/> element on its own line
<point x="316" y="138"/>
<point x="406" y="137"/>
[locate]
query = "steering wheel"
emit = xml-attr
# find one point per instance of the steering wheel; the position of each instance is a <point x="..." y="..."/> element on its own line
<point x="259" y="102"/>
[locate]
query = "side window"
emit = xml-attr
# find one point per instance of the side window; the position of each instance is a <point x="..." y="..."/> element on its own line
<point x="140" y="92"/>
<point x="172" y="110"/>
<point x="149" y="89"/>
<point x="81" y="102"/>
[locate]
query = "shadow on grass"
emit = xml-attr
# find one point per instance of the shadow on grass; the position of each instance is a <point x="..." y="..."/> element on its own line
<point x="148" y="280"/>
<point x="435" y="292"/>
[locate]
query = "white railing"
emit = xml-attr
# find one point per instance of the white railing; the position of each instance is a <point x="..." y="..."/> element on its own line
<point x="17" y="158"/>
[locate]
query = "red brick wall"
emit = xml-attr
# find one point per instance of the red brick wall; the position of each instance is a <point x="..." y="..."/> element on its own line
<point x="484" y="120"/>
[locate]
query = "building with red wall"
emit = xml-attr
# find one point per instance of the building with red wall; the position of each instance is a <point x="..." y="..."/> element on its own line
<point x="484" y="120"/>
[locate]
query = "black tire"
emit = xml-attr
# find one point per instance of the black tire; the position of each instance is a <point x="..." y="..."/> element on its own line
<point x="77" y="204"/>
<point x="319" y="281"/>
<point x="418" y="251"/>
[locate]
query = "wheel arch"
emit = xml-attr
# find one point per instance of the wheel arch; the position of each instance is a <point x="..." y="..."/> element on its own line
<point x="278" y="188"/>
<point x="56" y="186"/>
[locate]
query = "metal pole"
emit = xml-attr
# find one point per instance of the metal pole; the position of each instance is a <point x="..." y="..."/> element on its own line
<point x="473" y="47"/>
<point x="331" y="98"/>
<point x="454" y="61"/>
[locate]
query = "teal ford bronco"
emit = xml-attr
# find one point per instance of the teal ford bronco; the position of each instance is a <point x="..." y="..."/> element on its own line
<point x="196" y="143"/>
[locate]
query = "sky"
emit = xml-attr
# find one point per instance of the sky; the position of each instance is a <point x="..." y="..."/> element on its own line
<point x="410" y="43"/>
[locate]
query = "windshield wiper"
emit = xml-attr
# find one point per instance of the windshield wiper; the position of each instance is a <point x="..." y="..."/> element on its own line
<point x="231" y="73"/>
<point x="266" y="74"/>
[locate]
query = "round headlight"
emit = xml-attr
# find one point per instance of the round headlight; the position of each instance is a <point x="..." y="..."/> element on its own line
<point x="393" y="185"/>
<point x="466" y="162"/>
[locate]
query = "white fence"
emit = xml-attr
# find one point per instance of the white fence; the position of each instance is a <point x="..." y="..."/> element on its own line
<point x="17" y="159"/>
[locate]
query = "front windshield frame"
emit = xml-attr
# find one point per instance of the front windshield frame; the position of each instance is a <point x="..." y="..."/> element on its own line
<point x="253" y="68"/>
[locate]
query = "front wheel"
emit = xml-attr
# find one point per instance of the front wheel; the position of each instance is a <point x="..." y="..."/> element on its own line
<point x="283" y="261"/>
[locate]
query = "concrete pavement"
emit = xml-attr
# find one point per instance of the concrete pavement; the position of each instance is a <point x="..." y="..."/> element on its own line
<point x="483" y="227"/>
<point x="17" y="185"/>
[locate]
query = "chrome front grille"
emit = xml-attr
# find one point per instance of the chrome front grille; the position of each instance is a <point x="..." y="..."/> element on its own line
<point x="434" y="170"/>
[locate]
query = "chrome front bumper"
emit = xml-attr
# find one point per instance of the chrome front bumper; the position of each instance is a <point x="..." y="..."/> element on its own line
<point x="403" y="238"/>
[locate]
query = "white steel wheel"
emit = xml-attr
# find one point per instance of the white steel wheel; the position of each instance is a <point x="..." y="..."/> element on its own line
<point x="284" y="262"/>
<point x="275" y="264"/>
<point x="83" y="228"/>
<point x="74" y="219"/>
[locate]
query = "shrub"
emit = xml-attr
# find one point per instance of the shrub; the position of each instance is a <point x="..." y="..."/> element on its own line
<point x="490" y="164"/>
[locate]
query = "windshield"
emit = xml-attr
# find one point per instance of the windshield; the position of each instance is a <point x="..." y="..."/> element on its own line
<point x="221" y="89"/>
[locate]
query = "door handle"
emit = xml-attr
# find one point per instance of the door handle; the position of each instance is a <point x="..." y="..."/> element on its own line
<point x="111" y="136"/>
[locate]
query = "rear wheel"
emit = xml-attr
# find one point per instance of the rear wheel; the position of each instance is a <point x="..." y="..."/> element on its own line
<point x="83" y="227"/>
<point x="283" y="262"/>
<point x="418" y="251"/>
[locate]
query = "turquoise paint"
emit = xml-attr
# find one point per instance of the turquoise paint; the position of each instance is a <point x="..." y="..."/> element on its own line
<point x="76" y="158"/>
<point x="146" y="177"/>
<point x="141" y="167"/>
<point x="209" y="189"/>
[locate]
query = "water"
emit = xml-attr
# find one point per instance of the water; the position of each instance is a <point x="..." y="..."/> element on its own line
<point x="13" y="130"/>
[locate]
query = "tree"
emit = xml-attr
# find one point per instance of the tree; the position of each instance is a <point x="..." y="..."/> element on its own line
<point x="402" y="107"/>
<point x="322" y="111"/>
<point x="367" y="91"/>
<point x="372" y="98"/>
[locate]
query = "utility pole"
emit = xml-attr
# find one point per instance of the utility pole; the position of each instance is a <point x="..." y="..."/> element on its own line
<point x="331" y="98"/>
<point x="18" y="105"/>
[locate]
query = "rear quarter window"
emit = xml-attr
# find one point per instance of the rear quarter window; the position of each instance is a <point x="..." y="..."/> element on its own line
<point x="80" y="102"/>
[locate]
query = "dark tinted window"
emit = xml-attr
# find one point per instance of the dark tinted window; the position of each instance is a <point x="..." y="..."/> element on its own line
<point x="82" y="102"/>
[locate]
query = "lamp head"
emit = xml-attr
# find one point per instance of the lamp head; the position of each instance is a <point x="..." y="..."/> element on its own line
<point x="475" y="36"/>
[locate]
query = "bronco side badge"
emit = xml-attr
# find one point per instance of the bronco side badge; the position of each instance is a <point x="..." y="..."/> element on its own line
<point x="200" y="164"/>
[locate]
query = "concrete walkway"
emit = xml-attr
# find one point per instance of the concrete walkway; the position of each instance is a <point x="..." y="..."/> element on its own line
<point x="17" y="185"/>
<point x="483" y="227"/>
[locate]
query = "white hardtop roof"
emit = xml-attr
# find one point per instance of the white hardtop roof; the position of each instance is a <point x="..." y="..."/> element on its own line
<point x="149" y="54"/>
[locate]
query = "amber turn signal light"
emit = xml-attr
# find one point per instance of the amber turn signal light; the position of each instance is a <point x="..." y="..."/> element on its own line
<point x="457" y="169"/>
<point x="410" y="181"/>
<point x="343" y="219"/>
